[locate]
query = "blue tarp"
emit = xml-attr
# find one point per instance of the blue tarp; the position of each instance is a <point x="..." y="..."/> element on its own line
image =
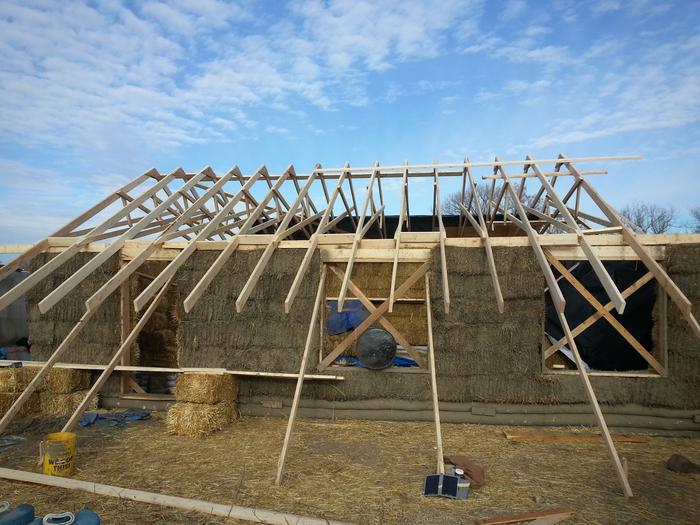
<point x="350" y="318"/>
<point x="114" y="419"/>
<point x="348" y="360"/>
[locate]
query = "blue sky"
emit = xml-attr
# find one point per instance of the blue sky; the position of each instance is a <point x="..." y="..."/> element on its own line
<point x="92" y="94"/>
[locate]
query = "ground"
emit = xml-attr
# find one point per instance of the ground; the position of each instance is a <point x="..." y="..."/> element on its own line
<point x="366" y="472"/>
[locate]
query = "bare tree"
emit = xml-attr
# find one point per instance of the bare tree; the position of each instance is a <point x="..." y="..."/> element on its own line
<point x="650" y="217"/>
<point x="450" y="204"/>
<point x="695" y="219"/>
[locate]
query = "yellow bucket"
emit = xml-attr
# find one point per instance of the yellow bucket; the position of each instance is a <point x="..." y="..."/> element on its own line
<point x="58" y="454"/>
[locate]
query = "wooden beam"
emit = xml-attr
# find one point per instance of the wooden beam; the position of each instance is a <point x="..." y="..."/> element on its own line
<point x="397" y="239"/>
<point x="433" y="379"/>
<point x="166" y="370"/>
<point x="612" y="452"/>
<point x="486" y="242"/>
<point x="236" y="512"/>
<point x="524" y="516"/>
<point x="554" y="291"/>
<point x="550" y="437"/>
<point x="443" y="236"/>
<point x="300" y="380"/>
<point x="598" y="268"/>
<point x="359" y="233"/>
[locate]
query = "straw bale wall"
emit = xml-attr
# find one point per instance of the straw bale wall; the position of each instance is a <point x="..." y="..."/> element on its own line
<point x="99" y="338"/>
<point x="482" y="356"/>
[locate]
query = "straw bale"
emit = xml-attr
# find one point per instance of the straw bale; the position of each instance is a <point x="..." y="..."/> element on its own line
<point x="64" y="404"/>
<point x="99" y="338"/>
<point x="374" y="279"/>
<point x="198" y="419"/>
<point x="15" y="380"/>
<point x="683" y="258"/>
<point x="206" y="388"/>
<point x="66" y="380"/>
<point x="32" y="406"/>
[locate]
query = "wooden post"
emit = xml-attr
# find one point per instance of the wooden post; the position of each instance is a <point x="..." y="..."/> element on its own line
<point x="300" y="380"/>
<point x="433" y="379"/>
<point x="612" y="452"/>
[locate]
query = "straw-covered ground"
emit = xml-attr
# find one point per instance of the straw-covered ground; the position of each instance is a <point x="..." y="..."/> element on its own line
<point x="358" y="471"/>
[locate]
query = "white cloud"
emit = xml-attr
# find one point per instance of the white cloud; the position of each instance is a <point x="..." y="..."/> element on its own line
<point x="108" y="77"/>
<point x="512" y="10"/>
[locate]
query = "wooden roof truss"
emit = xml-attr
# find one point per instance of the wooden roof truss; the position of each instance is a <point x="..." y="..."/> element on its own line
<point x="203" y="207"/>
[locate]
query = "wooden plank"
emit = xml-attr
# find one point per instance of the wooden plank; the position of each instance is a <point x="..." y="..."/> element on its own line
<point x="524" y="516"/>
<point x="157" y="369"/>
<point x="107" y="372"/>
<point x="397" y="239"/>
<point x="359" y="233"/>
<point x="345" y="343"/>
<point x="443" y="236"/>
<point x="559" y="437"/>
<point x="300" y="380"/>
<point x="598" y="314"/>
<point x="433" y="380"/>
<point x="486" y="241"/>
<point x="612" y="452"/>
<point x="600" y="271"/>
<point x="214" y="509"/>
<point x="298" y="278"/>
<point x="124" y="326"/>
<point x="554" y="291"/>
<point x="607" y="315"/>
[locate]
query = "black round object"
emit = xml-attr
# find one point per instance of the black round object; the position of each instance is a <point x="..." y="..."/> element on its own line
<point x="376" y="349"/>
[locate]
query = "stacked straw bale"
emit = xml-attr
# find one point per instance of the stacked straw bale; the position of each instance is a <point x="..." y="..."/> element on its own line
<point x="205" y="404"/>
<point x="64" y="389"/>
<point x="13" y="381"/>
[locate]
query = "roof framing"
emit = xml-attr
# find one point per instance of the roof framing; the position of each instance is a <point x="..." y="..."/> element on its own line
<point x="168" y="217"/>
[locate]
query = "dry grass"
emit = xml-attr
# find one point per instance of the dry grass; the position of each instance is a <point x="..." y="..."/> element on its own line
<point x="368" y="472"/>
<point x="64" y="404"/>
<point x="206" y="388"/>
<point x="199" y="419"/>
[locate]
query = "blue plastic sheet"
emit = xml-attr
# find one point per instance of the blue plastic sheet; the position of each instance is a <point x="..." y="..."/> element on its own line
<point x="114" y="419"/>
<point x="348" y="360"/>
<point x="350" y="318"/>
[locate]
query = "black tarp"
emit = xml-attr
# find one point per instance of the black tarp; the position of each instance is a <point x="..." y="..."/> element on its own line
<point x="601" y="346"/>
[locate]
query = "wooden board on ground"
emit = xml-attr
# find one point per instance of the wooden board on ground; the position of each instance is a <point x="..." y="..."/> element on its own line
<point x="525" y="516"/>
<point x="589" y="438"/>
